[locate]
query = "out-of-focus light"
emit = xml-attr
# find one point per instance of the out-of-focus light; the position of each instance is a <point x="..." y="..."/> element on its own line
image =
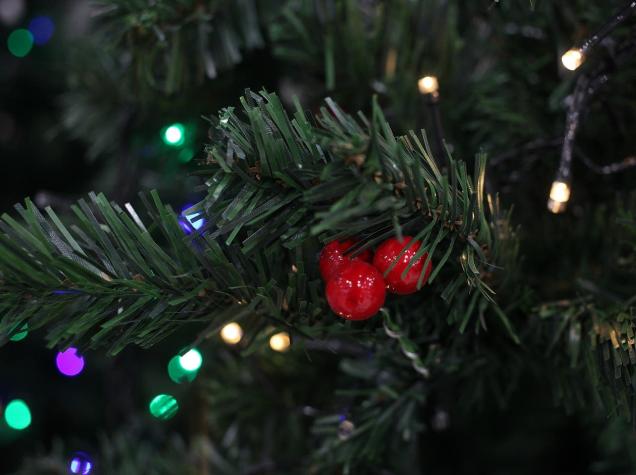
<point x="428" y="85"/>
<point x="11" y="11"/>
<point x="163" y="406"/>
<point x="232" y="333"/>
<point x="20" y="42"/>
<point x="280" y="342"/>
<point x="17" y="414"/>
<point x="80" y="464"/>
<point x="186" y="155"/>
<point x="177" y="373"/>
<point x="21" y="334"/>
<point x="69" y="363"/>
<point x="174" y="135"/>
<point x="191" y="361"/>
<point x="559" y="196"/>
<point x="42" y="28"/>
<point x="572" y="59"/>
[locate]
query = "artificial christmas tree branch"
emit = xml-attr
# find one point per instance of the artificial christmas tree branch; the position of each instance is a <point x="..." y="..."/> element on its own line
<point x="277" y="186"/>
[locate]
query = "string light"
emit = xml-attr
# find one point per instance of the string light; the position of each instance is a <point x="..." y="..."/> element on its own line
<point x="232" y="333"/>
<point x="163" y="406"/>
<point x="80" y="464"/>
<point x="190" y="222"/>
<point x="69" y="363"/>
<point x="559" y="196"/>
<point x="17" y="415"/>
<point x="42" y="28"/>
<point x="191" y="361"/>
<point x="573" y="58"/>
<point x="20" y="42"/>
<point x="428" y="85"/>
<point x="174" y="135"/>
<point x="280" y="342"/>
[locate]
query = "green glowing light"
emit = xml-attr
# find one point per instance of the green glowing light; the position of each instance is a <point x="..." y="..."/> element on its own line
<point x="17" y="414"/>
<point x="20" y="42"/>
<point x="20" y="334"/>
<point x="163" y="406"/>
<point x="174" y="135"/>
<point x="191" y="361"/>
<point x="186" y="155"/>
<point x="177" y="373"/>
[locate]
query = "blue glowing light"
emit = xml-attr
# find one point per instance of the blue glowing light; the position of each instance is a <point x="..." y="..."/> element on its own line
<point x="81" y="463"/>
<point x="42" y="28"/>
<point x="192" y="221"/>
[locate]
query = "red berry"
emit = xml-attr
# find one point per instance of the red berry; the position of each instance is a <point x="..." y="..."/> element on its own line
<point x="386" y="254"/>
<point x="356" y="292"/>
<point x="333" y="258"/>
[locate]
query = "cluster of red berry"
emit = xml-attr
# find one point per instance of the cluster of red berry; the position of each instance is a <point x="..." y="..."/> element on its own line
<point x="356" y="287"/>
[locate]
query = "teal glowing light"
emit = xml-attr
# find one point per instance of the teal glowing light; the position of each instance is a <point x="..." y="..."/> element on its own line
<point x="17" y="415"/>
<point x="185" y="368"/>
<point x="20" y="42"/>
<point x="174" y="135"/>
<point x="163" y="406"/>
<point x="177" y="373"/>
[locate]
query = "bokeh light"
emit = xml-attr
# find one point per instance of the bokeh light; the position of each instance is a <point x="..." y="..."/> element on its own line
<point x="192" y="360"/>
<point x="69" y="363"/>
<point x="81" y="464"/>
<point x="163" y="406"/>
<point x="177" y="373"/>
<point x="280" y="342"/>
<point x="20" y="42"/>
<point x="174" y="135"/>
<point x="11" y="11"/>
<point x="42" y="28"/>
<point x="232" y="333"/>
<point x="186" y="155"/>
<point x="17" y="414"/>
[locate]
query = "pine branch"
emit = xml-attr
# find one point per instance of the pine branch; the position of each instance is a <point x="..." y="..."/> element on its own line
<point x="277" y="188"/>
<point x="173" y="44"/>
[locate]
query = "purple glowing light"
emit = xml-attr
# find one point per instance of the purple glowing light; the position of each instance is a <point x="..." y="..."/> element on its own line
<point x="192" y="221"/>
<point x="69" y="363"/>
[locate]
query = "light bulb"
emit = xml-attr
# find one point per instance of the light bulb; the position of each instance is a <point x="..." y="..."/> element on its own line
<point x="559" y="196"/>
<point x="174" y="135"/>
<point x="428" y="85"/>
<point x="191" y="361"/>
<point x="232" y="333"/>
<point x="572" y="58"/>
<point x="280" y="342"/>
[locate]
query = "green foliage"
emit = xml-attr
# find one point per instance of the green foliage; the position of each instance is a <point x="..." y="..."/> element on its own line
<point x="160" y="36"/>
<point x="277" y="188"/>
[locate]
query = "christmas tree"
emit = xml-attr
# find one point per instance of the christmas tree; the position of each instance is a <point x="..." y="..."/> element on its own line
<point x="327" y="236"/>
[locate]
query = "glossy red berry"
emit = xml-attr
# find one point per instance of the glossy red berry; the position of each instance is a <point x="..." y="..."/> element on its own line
<point x="356" y="292"/>
<point x="386" y="254"/>
<point x="333" y="257"/>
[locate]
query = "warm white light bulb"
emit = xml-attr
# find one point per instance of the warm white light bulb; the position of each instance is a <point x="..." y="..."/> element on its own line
<point x="559" y="196"/>
<point x="572" y="59"/>
<point x="280" y="342"/>
<point x="232" y="333"/>
<point x="428" y="85"/>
